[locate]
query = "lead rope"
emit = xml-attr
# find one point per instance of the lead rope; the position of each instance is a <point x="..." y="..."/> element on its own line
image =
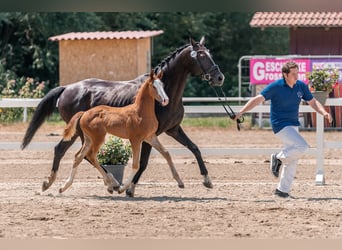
<point x="231" y="114"/>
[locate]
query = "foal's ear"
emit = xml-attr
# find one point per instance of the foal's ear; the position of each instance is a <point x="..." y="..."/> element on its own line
<point x="151" y="74"/>
<point x="160" y="74"/>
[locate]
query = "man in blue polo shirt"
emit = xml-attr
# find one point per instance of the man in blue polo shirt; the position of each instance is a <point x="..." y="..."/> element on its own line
<point x="285" y="95"/>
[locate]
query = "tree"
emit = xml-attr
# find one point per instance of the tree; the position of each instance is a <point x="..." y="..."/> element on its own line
<point x="26" y="51"/>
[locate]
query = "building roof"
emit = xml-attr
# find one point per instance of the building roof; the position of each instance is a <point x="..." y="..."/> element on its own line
<point x="98" y="35"/>
<point x="296" y="19"/>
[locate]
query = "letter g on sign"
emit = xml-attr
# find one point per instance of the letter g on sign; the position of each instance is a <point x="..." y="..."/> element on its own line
<point x="259" y="71"/>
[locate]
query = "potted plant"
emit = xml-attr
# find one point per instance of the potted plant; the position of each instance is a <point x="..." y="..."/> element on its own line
<point x="322" y="81"/>
<point x="114" y="155"/>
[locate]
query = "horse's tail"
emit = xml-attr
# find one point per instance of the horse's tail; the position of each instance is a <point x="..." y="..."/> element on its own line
<point x="70" y="129"/>
<point x="44" y="109"/>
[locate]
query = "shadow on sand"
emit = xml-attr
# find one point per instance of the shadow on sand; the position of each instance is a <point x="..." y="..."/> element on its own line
<point x="156" y="198"/>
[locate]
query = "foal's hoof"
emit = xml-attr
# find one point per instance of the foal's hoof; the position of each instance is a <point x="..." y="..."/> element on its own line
<point x="111" y="189"/>
<point x="45" y="186"/>
<point x="121" y="189"/>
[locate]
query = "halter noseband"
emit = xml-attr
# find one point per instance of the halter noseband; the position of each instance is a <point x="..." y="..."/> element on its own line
<point x="206" y="75"/>
<point x="213" y="69"/>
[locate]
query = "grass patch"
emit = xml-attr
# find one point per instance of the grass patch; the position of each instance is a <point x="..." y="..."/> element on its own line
<point x="219" y="122"/>
<point x="205" y="122"/>
<point x="214" y="122"/>
<point x="55" y="119"/>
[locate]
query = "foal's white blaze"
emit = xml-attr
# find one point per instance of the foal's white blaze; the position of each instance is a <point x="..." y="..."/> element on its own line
<point x="161" y="92"/>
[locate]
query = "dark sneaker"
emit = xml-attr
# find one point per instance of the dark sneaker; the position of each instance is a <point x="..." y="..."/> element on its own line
<point x="281" y="194"/>
<point x="275" y="165"/>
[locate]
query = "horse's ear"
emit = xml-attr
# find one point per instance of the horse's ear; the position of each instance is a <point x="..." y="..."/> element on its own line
<point x="160" y="74"/>
<point x="202" y="40"/>
<point x="151" y="74"/>
<point x="192" y="42"/>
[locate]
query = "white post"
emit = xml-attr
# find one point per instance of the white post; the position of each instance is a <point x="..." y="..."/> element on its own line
<point x="320" y="180"/>
<point x="25" y="114"/>
<point x="260" y="120"/>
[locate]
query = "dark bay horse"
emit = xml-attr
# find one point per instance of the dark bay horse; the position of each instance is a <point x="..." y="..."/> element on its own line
<point x="193" y="58"/>
<point x="136" y="122"/>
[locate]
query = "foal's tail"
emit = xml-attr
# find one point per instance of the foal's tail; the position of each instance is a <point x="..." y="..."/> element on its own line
<point x="70" y="129"/>
<point x="44" y="109"/>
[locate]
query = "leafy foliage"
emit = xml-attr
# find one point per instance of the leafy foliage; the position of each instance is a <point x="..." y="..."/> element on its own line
<point x="114" y="152"/>
<point x="25" y="49"/>
<point x="20" y="88"/>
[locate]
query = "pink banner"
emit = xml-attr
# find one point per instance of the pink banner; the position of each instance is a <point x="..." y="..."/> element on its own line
<point x="264" y="71"/>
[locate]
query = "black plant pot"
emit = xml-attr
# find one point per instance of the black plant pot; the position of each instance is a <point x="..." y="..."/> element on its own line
<point x="116" y="170"/>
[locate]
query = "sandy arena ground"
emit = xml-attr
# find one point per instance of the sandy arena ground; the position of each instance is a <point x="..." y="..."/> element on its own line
<point x="241" y="204"/>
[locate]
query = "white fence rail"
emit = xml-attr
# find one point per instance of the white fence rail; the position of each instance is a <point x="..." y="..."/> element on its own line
<point x="321" y="145"/>
<point x="19" y="103"/>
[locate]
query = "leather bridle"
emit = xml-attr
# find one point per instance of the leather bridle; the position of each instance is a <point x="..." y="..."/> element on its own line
<point x="206" y="73"/>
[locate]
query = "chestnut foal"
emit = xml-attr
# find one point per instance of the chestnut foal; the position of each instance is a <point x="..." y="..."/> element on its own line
<point x="136" y="122"/>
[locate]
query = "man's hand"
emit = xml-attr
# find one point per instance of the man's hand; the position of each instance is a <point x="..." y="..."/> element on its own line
<point x="238" y="115"/>
<point x="328" y="117"/>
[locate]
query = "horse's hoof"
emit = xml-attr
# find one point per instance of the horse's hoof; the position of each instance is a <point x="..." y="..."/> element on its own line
<point x="129" y="193"/>
<point x="208" y="184"/>
<point x="181" y="185"/>
<point x="45" y="186"/>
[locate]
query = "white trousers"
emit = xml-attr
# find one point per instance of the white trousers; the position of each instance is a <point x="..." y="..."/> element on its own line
<point x="294" y="145"/>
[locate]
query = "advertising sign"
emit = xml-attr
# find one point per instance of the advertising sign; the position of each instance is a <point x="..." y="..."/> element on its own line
<point x="264" y="71"/>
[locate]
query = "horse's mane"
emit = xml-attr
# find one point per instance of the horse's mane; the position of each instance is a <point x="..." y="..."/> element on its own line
<point x="143" y="85"/>
<point x="167" y="59"/>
